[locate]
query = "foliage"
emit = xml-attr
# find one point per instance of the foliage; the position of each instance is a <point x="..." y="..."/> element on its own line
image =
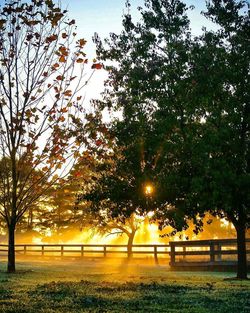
<point x="40" y="112"/>
<point x="185" y="108"/>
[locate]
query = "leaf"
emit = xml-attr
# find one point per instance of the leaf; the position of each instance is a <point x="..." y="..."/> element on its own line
<point x="63" y="51"/>
<point x="96" y="66"/>
<point x="64" y="35"/>
<point x="51" y="38"/>
<point x="82" y="42"/>
<point x="98" y="142"/>
<point x="79" y="60"/>
<point x="59" y="77"/>
<point x="72" y="22"/>
<point x="68" y="93"/>
<point x="31" y="23"/>
<point x="56" y="18"/>
<point x="2" y="22"/>
<point x="62" y="59"/>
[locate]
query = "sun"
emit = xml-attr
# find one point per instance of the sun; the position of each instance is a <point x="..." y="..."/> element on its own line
<point x="148" y="189"/>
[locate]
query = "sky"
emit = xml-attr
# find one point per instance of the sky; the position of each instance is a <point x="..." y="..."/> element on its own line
<point x="105" y="16"/>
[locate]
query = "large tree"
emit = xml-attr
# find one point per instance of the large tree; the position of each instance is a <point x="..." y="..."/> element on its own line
<point x="186" y="100"/>
<point x="42" y="69"/>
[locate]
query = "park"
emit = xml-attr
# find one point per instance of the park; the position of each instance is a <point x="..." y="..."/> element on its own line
<point x="124" y="156"/>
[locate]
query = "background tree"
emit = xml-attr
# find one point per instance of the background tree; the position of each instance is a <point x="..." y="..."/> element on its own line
<point x="40" y="115"/>
<point x="186" y="100"/>
<point x="109" y="197"/>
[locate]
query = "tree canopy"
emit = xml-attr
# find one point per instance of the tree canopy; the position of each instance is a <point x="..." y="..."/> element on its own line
<point x="185" y="107"/>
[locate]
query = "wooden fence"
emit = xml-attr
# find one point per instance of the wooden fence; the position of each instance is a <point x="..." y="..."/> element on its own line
<point x="85" y="250"/>
<point x="213" y="253"/>
<point x="182" y="253"/>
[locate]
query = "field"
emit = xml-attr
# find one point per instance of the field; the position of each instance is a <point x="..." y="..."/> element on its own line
<point x="115" y="286"/>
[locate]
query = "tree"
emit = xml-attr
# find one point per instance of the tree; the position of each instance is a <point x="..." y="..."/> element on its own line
<point x="41" y="127"/>
<point x="186" y="100"/>
<point x="106" y="202"/>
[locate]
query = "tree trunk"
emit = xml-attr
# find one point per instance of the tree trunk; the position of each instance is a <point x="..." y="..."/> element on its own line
<point x="242" y="256"/>
<point x="130" y="243"/>
<point x="11" y="249"/>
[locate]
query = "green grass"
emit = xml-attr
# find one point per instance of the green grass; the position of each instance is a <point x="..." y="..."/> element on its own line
<point x="98" y="286"/>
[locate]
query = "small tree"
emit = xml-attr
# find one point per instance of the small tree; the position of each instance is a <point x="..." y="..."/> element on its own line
<point x="40" y="114"/>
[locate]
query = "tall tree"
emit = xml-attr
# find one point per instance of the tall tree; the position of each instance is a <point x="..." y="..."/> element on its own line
<point x="186" y="100"/>
<point x="39" y="111"/>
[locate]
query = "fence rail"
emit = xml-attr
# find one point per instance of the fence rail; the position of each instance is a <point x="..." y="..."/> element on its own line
<point x="218" y="252"/>
<point x="82" y="250"/>
<point x="181" y="253"/>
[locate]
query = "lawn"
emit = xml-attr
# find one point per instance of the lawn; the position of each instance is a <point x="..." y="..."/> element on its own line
<point x="115" y="286"/>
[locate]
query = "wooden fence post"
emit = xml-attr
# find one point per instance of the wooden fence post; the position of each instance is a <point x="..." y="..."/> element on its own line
<point x="172" y="253"/>
<point x="104" y="251"/>
<point x="212" y="255"/>
<point x="24" y="249"/>
<point x="42" y="250"/>
<point x="184" y="252"/>
<point x="61" y="250"/>
<point x="218" y="249"/>
<point x="155" y="255"/>
<point x="82" y="251"/>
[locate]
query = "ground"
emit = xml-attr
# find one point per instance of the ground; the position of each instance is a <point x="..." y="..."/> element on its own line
<point x="55" y="286"/>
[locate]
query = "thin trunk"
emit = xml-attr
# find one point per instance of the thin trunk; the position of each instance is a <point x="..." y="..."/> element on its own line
<point x="130" y="243"/>
<point x="242" y="256"/>
<point x="11" y="249"/>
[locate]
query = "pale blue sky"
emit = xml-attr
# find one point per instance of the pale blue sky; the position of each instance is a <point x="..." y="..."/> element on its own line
<point x="105" y="16"/>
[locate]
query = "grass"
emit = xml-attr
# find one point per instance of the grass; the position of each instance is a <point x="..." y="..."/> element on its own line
<point x="98" y="286"/>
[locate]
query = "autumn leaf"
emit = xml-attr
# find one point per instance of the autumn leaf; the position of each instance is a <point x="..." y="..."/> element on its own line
<point x="96" y="66"/>
<point x="2" y="22"/>
<point x="77" y="174"/>
<point x="59" y="77"/>
<point x="64" y="35"/>
<point x="98" y="142"/>
<point x="63" y="51"/>
<point x="51" y="38"/>
<point x="56" y="18"/>
<point x="79" y="60"/>
<point x="68" y="93"/>
<point x="72" y="22"/>
<point x="82" y="42"/>
<point x="64" y="110"/>
<point x="31" y="23"/>
<point x="62" y="59"/>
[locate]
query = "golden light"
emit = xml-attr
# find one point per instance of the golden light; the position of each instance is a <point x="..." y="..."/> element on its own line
<point x="148" y="189"/>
